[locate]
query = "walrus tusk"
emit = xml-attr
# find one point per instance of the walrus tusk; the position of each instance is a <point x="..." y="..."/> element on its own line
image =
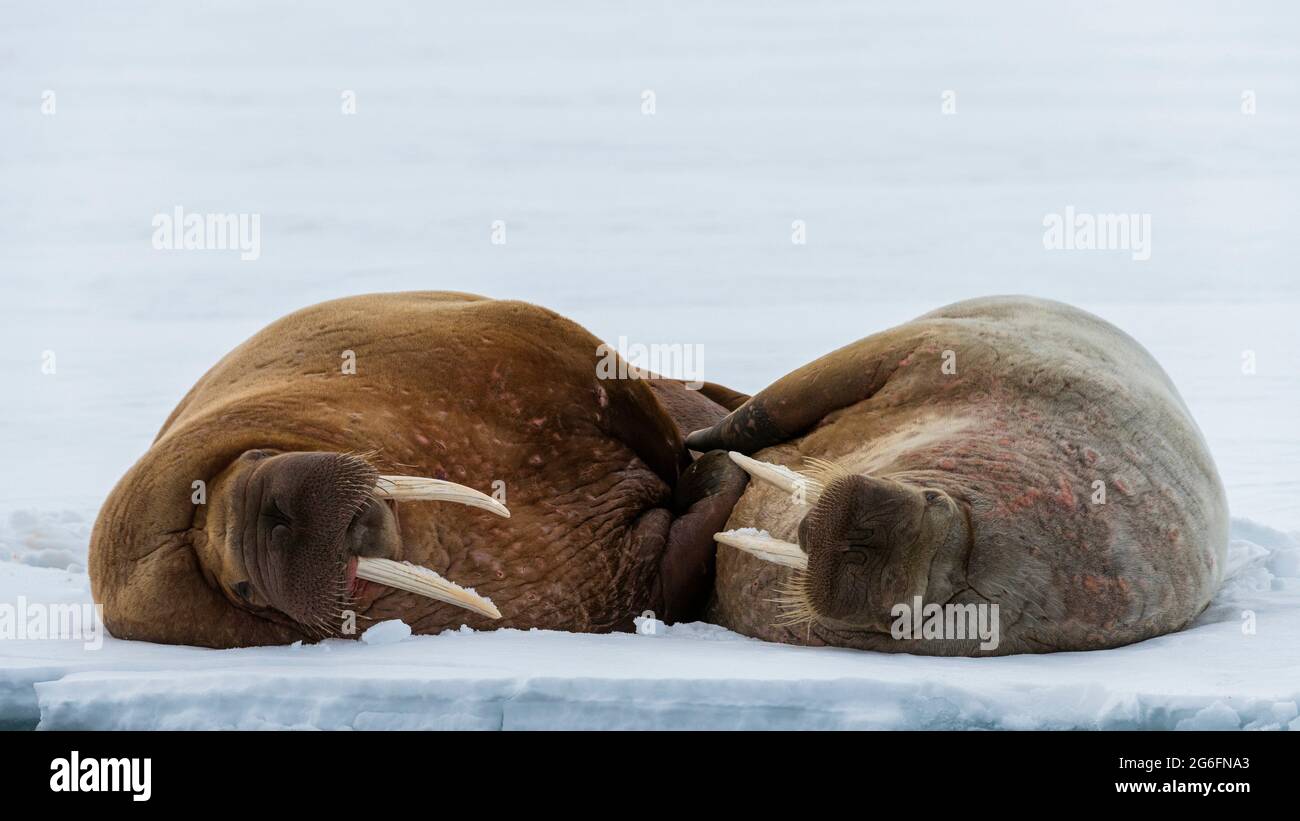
<point x="424" y="582"/>
<point x="420" y="489"/>
<point x="765" y="547"/>
<point x="777" y="475"/>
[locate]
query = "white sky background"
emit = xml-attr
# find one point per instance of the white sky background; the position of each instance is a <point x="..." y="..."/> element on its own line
<point x="667" y="228"/>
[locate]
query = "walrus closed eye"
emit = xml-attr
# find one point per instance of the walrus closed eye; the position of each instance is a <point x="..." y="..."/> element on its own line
<point x="304" y="533"/>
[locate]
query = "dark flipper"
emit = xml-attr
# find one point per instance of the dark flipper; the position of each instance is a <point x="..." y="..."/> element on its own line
<point x="707" y="492"/>
<point x="797" y="401"/>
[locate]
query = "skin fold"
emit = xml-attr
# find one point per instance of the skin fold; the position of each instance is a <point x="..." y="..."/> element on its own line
<point x="1006" y="450"/>
<point x="609" y="514"/>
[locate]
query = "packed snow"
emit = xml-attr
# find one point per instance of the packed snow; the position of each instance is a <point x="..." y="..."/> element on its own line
<point x="672" y="227"/>
<point x="1216" y="675"/>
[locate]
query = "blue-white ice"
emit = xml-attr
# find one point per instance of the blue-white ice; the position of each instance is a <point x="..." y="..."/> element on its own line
<point x="669" y="228"/>
<point x="1216" y="675"/>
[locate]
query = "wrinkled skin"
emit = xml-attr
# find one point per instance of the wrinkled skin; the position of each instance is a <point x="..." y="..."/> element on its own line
<point x="1054" y="472"/>
<point x="610" y="515"/>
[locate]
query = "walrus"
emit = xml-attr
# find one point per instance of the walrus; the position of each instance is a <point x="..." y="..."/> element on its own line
<point x="344" y="463"/>
<point x="1005" y="451"/>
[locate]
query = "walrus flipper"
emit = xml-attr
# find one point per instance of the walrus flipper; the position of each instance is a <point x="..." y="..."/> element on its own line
<point x="704" y="497"/>
<point x="797" y="401"/>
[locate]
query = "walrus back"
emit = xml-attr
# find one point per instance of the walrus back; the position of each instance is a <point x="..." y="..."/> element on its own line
<point x="1111" y="480"/>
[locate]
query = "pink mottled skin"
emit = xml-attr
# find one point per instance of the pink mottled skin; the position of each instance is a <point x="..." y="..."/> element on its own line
<point x="1049" y="408"/>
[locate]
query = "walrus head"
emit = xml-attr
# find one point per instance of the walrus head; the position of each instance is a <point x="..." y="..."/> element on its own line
<point x="865" y="545"/>
<point x="300" y="533"/>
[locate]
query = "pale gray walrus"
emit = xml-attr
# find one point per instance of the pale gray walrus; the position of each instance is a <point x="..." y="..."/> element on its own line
<point x="1003" y="451"/>
<point x="290" y="496"/>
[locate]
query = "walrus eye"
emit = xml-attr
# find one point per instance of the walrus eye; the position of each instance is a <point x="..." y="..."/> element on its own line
<point x="932" y="496"/>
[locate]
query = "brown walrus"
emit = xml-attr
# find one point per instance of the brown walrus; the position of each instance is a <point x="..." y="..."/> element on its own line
<point x="313" y="483"/>
<point x="1007" y="452"/>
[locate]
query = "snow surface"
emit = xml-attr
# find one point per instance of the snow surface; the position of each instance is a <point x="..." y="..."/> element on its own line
<point x="1212" y="676"/>
<point x="671" y="228"/>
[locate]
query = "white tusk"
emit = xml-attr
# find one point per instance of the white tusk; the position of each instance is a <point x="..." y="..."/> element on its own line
<point x="778" y="476"/>
<point x="420" y="489"/>
<point x="424" y="582"/>
<point x="758" y="543"/>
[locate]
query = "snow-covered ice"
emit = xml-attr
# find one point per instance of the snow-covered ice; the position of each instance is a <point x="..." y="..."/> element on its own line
<point x="674" y="228"/>
<point x="1216" y="675"/>
<point x="387" y="632"/>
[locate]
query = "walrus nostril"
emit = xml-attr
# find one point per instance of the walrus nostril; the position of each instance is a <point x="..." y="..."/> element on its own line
<point x="373" y="531"/>
<point x="863" y="536"/>
<point x="242" y="590"/>
<point x="857" y="552"/>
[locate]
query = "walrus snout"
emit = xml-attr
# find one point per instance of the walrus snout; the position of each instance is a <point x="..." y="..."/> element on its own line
<point x="294" y="520"/>
<point x="860" y="537"/>
<point x="865" y="545"/>
<point x="305" y="531"/>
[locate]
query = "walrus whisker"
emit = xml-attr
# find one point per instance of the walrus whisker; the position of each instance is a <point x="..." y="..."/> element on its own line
<point x="424" y="582"/>
<point x="796" y="608"/>
<point x="791" y="593"/>
<point x="420" y="489"/>
<point x="795" y="621"/>
<point x="824" y="471"/>
<point x="791" y="603"/>
<point x="791" y="587"/>
<point x="794" y="618"/>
